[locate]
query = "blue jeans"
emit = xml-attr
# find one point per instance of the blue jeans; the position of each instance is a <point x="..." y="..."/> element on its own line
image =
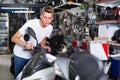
<point x="19" y="64"/>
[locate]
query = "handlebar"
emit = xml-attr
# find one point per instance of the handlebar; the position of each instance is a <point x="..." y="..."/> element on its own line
<point x="36" y="49"/>
<point x="44" y="52"/>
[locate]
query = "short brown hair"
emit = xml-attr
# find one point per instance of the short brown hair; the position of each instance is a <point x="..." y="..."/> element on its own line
<point x="48" y="9"/>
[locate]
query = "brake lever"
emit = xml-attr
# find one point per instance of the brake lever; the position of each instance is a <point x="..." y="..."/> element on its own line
<point x="28" y="50"/>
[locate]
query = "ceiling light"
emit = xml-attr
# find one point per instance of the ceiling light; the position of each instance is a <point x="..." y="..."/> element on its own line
<point x="13" y="8"/>
<point x="23" y="11"/>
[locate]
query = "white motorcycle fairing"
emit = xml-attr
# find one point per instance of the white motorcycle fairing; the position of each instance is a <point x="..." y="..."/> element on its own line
<point x="37" y="69"/>
<point x="62" y="67"/>
<point x="45" y="74"/>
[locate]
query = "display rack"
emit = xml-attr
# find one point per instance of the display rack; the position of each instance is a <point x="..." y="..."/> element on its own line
<point x="4" y="33"/>
<point x="66" y="6"/>
<point x="108" y="21"/>
<point x="107" y="27"/>
<point x="111" y="4"/>
<point x="108" y="3"/>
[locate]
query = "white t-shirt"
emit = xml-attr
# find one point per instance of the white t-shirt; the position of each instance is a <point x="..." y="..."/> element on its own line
<point x="41" y="33"/>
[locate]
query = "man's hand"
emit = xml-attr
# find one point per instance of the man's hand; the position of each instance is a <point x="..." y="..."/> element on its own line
<point x="29" y="46"/>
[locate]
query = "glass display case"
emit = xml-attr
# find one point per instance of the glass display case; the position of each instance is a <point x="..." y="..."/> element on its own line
<point x="4" y="33"/>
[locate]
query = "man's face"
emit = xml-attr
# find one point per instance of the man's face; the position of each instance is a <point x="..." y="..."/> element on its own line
<point x="46" y="18"/>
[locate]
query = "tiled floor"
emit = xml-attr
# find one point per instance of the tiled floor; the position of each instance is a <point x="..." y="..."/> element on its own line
<point x="5" y="62"/>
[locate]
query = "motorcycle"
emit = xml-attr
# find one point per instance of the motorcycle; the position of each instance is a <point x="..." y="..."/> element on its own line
<point x="45" y="66"/>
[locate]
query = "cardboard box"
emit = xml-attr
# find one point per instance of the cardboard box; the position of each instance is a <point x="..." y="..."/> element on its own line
<point x="102" y="38"/>
<point x="107" y="30"/>
<point x="99" y="49"/>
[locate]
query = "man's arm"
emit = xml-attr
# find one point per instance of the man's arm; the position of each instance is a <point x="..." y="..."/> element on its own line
<point x="43" y="44"/>
<point x="16" y="39"/>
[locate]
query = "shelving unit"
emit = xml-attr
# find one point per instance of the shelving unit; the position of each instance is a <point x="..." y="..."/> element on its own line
<point x="106" y="28"/>
<point x="108" y="3"/>
<point x="66" y="6"/>
<point x="4" y="33"/>
<point x="108" y="21"/>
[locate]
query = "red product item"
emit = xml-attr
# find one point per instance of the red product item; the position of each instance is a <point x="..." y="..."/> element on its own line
<point x="74" y="43"/>
<point x="84" y="45"/>
<point x="116" y="11"/>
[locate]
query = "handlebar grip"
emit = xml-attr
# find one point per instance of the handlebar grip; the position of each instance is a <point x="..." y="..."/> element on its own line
<point x="27" y="50"/>
<point x="30" y="49"/>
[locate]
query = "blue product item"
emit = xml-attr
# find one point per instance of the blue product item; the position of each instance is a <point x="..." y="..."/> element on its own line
<point x="115" y="66"/>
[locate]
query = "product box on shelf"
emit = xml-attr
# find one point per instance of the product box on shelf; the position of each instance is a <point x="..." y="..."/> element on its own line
<point x="99" y="48"/>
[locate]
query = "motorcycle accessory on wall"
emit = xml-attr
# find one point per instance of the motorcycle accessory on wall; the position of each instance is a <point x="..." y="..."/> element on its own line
<point x="116" y="36"/>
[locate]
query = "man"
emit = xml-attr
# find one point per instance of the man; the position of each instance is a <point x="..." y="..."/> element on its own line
<point x="42" y="28"/>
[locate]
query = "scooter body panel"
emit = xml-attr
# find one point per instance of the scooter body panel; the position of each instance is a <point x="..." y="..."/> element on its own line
<point x="62" y="64"/>
<point x="45" y="74"/>
<point x="37" y="69"/>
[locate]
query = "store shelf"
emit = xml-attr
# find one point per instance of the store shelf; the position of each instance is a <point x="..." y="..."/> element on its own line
<point x="105" y="1"/>
<point x="23" y="5"/>
<point x="66" y="6"/>
<point x="4" y="33"/>
<point x="108" y="22"/>
<point x="108" y="3"/>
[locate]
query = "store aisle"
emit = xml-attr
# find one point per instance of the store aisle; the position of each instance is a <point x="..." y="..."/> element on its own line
<point x="5" y="62"/>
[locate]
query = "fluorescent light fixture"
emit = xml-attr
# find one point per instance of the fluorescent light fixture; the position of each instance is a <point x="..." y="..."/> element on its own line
<point x="23" y="11"/>
<point x="69" y="3"/>
<point x="13" y="8"/>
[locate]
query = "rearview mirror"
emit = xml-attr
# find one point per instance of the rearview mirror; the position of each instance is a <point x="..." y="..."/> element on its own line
<point x="32" y="33"/>
<point x="26" y="37"/>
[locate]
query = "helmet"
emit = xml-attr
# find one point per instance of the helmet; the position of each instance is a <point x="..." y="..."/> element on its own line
<point x="62" y="49"/>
